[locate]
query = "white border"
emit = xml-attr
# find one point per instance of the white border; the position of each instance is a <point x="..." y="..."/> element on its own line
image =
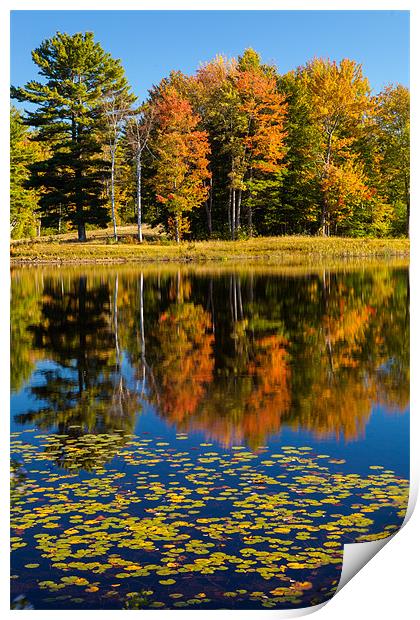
<point x="387" y="587"/>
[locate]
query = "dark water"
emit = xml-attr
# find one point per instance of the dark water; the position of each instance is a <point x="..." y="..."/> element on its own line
<point x="184" y="438"/>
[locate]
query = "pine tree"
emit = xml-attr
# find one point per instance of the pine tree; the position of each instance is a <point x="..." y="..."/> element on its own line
<point x="77" y="75"/>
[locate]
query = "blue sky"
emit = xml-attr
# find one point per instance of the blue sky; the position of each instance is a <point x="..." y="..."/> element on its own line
<point x="151" y="43"/>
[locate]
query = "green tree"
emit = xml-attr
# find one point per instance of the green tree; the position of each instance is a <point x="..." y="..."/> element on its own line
<point x="392" y="120"/>
<point x="77" y="75"/>
<point x="299" y="197"/>
<point x="24" y="152"/>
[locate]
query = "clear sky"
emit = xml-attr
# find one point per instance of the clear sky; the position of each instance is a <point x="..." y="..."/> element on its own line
<point x="152" y="43"/>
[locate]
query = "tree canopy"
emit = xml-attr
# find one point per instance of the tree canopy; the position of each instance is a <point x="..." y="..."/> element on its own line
<point x="235" y="149"/>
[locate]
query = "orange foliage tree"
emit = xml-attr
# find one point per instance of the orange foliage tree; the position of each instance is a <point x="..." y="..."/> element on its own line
<point x="244" y="114"/>
<point x="182" y="165"/>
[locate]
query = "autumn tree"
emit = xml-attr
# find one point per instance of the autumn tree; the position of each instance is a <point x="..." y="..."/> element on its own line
<point x="339" y="100"/>
<point x="213" y="97"/>
<point x="263" y="148"/>
<point x="344" y="189"/>
<point x="296" y="209"/>
<point x="244" y="115"/>
<point x="182" y="164"/>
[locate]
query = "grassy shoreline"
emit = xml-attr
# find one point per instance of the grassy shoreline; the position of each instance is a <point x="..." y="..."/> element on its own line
<point x="271" y="250"/>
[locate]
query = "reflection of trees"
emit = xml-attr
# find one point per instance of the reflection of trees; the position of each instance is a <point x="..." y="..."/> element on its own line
<point x="316" y="353"/>
<point x="182" y="356"/>
<point x="358" y="350"/>
<point x="393" y="340"/>
<point x="248" y="407"/>
<point x="81" y="389"/>
<point x="216" y="370"/>
<point x="236" y="356"/>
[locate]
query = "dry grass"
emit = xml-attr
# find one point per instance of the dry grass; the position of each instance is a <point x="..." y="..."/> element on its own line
<point x="99" y="248"/>
<point x="99" y="235"/>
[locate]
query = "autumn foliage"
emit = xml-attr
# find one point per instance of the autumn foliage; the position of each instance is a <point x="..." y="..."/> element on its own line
<point x="233" y="150"/>
<point x="183" y="165"/>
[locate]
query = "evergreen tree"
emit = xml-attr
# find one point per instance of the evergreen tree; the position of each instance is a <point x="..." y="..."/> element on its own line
<point x="77" y="74"/>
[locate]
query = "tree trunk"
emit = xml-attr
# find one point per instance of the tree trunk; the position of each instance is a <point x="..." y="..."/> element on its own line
<point x="407" y="202"/>
<point x="177" y="228"/>
<point x="238" y="209"/>
<point x="250" y="210"/>
<point x="229" y="211"/>
<point x="324" y="217"/>
<point x="81" y="231"/>
<point x="324" y="228"/>
<point x="114" y="221"/>
<point x="81" y="228"/>
<point x="233" y="214"/>
<point x="139" y="223"/>
<point x="209" y="207"/>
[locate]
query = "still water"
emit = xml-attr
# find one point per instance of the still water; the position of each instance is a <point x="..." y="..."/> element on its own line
<point x="198" y="438"/>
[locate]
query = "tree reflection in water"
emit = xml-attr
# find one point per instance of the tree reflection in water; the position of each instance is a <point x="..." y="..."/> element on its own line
<point x="235" y="355"/>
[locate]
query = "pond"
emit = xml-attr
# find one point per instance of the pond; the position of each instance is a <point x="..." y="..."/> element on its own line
<point x="202" y="437"/>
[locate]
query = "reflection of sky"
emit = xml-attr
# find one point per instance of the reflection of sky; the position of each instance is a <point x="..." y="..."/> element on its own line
<point x="384" y="440"/>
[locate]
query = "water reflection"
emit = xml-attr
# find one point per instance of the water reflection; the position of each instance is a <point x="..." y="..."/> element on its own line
<point x="82" y="390"/>
<point x="235" y="355"/>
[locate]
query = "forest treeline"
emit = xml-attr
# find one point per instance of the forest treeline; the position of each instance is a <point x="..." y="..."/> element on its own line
<point x="234" y="150"/>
